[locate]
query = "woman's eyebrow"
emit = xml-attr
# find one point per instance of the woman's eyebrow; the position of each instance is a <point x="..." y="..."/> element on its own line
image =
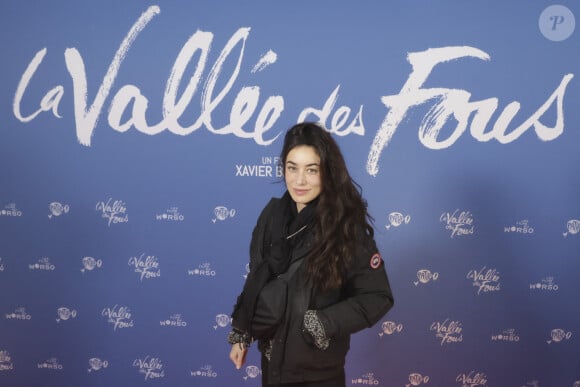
<point x="308" y="165"/>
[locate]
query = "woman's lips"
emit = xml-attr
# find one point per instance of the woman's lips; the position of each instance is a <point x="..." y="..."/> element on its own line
<point x="300" y="192"/>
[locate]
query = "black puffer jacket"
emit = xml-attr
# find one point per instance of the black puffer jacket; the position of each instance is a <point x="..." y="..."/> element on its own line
<point x="363" y="299"/>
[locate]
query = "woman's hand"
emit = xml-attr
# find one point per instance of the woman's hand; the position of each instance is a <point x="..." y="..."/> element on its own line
<point x="238" y="355"/>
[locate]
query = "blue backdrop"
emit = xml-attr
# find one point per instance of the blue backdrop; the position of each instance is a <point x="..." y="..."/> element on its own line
<point x="139" y="142"/>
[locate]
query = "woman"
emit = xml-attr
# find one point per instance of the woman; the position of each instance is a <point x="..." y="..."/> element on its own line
<point x="320" y="232"/>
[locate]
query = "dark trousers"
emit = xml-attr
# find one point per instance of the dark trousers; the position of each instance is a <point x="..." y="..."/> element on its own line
<point x="338" y="381"/>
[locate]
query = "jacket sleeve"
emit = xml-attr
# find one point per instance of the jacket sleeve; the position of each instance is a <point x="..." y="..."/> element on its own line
<point x="256" y="248"/>
<point x="367" y="296"/>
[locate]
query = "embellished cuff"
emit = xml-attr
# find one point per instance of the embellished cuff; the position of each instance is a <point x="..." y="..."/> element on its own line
<point x="237" y="337"/>
<point x="314" y="327"/>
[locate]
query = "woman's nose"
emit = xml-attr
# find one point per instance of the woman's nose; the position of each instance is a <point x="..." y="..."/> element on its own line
<point x="301" y="177"/>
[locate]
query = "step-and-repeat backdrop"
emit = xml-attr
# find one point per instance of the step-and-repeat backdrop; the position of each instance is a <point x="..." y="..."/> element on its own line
<point x="140" y="140"/>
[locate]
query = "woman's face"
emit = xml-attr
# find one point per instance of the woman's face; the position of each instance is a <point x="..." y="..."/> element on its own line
<point x="302" y="175"/>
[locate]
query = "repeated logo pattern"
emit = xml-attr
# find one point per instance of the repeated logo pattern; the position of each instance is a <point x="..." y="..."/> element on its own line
<point x="447" y="331"/>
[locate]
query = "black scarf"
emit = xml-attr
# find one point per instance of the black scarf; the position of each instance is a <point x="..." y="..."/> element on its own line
<point x="285" y="228"/>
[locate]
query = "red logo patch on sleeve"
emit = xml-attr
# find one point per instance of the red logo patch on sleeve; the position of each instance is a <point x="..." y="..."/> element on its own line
<point x="376" y="260"/>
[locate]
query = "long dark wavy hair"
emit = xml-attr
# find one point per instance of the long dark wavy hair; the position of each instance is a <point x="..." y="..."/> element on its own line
<point x="341" y="213"/>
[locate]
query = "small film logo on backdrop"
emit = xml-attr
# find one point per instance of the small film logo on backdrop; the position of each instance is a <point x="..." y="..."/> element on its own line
<point x="42" y="264"/>
<point x="10" y="210"/>
<point x="547" y="284"/>
<point x="416" y="379"/>
<point x="367" y="379"/>
<point x="204" y="372"/>
<point x="63" y="314"/>
<point x="151" y="367"/>
<point x="508" y="335"/>
<point x="222" y="213"/>
<point x="50" y="364"/>
<point x="472" y="379"/>
<point x="90" y="264"/>
<point x="448" y="331"/>
<point x="114" y="211"/>
<point x="147" y="266"/>
<point x="118" y="316"/>
<point x="96" y="364"/>
<point x="174" y="321"/>
<point x="56" y="209"/>
<point x="222" y="321"/>
<point x="458" y="223"/>
<point x="5" y="361"/>
<point x="389" y="328"/>
<point x="572" y="227"/>
<point x="424" y="276"/>
<point x="397" y="219"/>
<point x="203" y="270"/>
<point x="520" y="227"/>
<point x="18" y="314"/>
<point x="485" y="280"/>
<point x="252" y="372"/>
<point x="558" y="335"/>
<point x="171" y="214"/>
